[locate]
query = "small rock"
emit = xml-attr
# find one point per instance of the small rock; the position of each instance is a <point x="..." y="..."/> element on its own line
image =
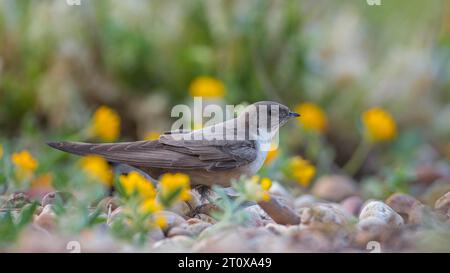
<point x="383" y="214"/>
<point x="304" y="200"/>
<point x="402" y="204"/>
<point x="206" y="218"/>
<point x="38" y="210"/>
<point x="373" y="224"/>
<point x="421" y="215"/>
<point x="442" y="205"/>
<point x="155" y="235"/>
<point x="278" y="189"/>
<point x="427" y="174"/>
<point x="178" y="243"/>
<point x="231" y="240"/>
<point x="277" y="228"/>
<point x="46" y="219"/>
<point x="334" y="188"/>
<point x="186" y="208"/>
<point x="352" y="205"/>
<point x="173" y="219"/>
<point x="434" y="192"/>
<point x="323" y="214"/>
<point x="177" y="231"/>
<point x="255" y="219"/>
<point x="197" y="228"/>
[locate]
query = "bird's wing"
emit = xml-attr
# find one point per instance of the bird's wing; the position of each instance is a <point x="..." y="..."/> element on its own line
<point x="170" y="153"/>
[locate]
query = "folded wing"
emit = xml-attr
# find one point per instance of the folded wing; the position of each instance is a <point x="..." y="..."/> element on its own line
<point x="170" y="153"/>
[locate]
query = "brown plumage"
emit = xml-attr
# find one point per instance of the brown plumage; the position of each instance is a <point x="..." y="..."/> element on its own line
<point x="207" y="162"/>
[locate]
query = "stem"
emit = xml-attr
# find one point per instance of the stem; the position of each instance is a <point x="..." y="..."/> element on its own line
<point x="358" y="158"/>
<point x="279" y="212"/>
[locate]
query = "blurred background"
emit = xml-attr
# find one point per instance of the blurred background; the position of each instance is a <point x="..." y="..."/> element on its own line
<point x="60" y="62"/>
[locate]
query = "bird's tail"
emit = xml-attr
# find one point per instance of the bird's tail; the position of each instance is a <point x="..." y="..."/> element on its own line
<point x="78" y="148"/>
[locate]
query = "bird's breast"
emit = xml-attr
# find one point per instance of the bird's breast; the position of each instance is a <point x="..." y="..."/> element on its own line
<point x="254" y="166"/>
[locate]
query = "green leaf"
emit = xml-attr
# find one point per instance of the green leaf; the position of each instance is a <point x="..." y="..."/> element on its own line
<point x="26" y="215"/>
<point x="8" y="231"/>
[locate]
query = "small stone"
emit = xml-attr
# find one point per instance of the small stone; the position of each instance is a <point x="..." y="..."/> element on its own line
<point x="427" y="174"/>
<point x="206" y="218"/>
<point x="279" y="190"/>
<point x="38" y="210"/>
<point x="46" y="219"/>
<point x="323" y="214"/>
<point x="334" y="188"/>
<point x="434" y="192"/>
<point x="373" y="224"/>
<point x="155" y="235"/>
<point x="197" y="228"/>
<point x="352" y="205"/>
<point x="442" y="205"/>
<point x="382" y="212"/>
<point x="402" y="204"/>
<point x="421" y="215"/>
<point x="177" y="231"/>
<point x="173" y="219"/>
<point x="179" y="243"/>
<point x="255" y="219"/>
<point x="186" y="208"/>
<point x="304" y="201"/>
<point x="277" y="228"/>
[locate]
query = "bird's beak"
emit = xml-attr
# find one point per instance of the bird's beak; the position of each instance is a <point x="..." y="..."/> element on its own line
<point x="293" y="114"/>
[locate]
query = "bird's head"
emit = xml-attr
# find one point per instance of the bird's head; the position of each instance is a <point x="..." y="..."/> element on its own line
<point x="264" y="118"/>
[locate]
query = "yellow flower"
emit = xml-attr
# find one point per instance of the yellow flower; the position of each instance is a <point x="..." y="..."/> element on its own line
<point x="152" y="135"/>
<point x="266" y="183"/>
<point x="135" y="182"/>
<point x="105" y="124"/>
<point x="265" y="196"/>
<point x="150" y="206"/>
<point x="97" y="168"/>
<point x="271" y="154"/>
<point x="301" y="170"/>
<point x="312" y="118"/>
<point x="379" y="125"/>
<point x="42" y="181"/>
<point x="205" y="86"/>
<point x="160" y="220"/>
<point x="1" y="151"/>
<point x="175" y="187"/>
<point x="256" y="189"/>
<point x="24" y="161"/>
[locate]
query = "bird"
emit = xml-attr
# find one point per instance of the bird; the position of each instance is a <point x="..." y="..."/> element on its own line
<point x="213" y="155"/>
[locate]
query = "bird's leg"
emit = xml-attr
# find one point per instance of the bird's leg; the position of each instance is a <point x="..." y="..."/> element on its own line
<point x="204" y="208"/>
<point x="204" y="192"/>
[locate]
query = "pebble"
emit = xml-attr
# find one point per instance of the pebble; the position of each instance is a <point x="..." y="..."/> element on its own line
<point x="323" y="214"/>
<point x="379" y="214"/>
<point x="334" y="188"/>
<point x="403" y="204"/>
<point x="352" y="205"/>
<point x="442" y="205"/>
<point x="46" y="219"/>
